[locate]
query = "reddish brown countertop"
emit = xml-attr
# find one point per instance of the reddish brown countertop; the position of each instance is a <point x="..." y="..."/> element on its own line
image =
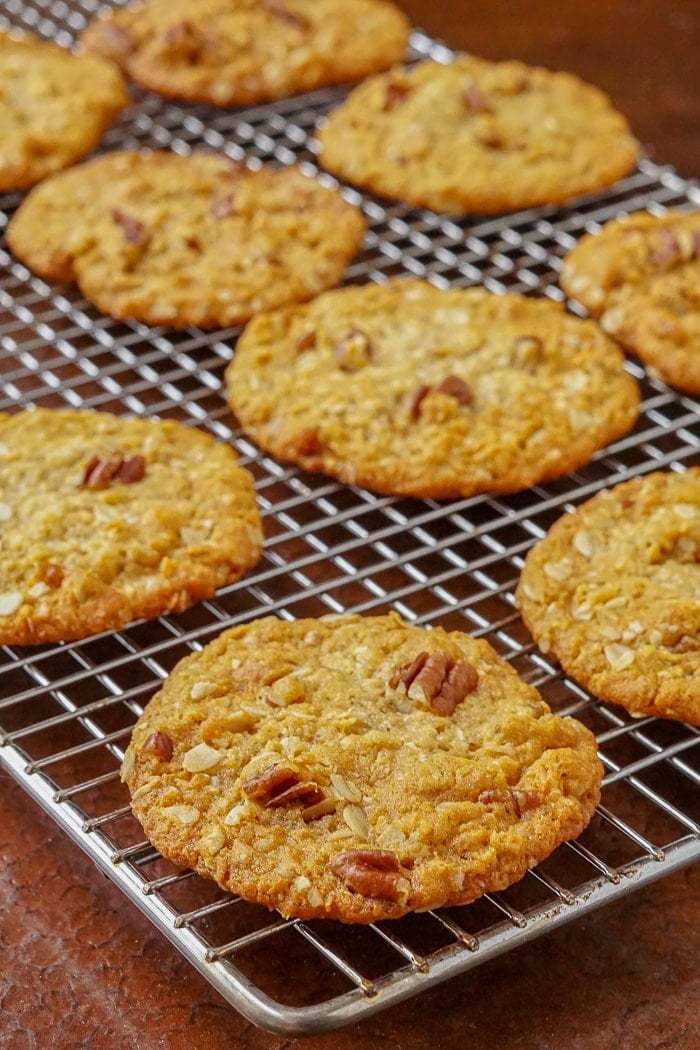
<point x="80" y="966"/>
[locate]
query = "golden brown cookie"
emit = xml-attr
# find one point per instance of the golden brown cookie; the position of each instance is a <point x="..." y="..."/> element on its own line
<point x="238" y="52"/>
<point x="106" y="519"/>
<point x="641" y="276"/>
<point x="404" y="388"/>
<point x="613" y="592"/>
<point x="54" y="107"/>
<point x="186" y="240"/>
<point x="356" y="768"/>
<point x="477" y="136"/>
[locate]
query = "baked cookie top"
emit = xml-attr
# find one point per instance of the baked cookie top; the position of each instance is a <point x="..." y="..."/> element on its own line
<point x="613" y="592"/>
<point x="407" y="389"/>
<point x="238" y="52"/>
<point x="477" y="136"/>
<point x="107" y="519"/>
<point x="54" y="107"/>
<point x="356" y="768"/>
<point x="641" y="276"/>
<point x="186" y="240"/>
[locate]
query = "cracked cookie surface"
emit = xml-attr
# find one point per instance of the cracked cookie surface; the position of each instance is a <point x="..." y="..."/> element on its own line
<point x="54" y="107"/>
<point x="239" y="52"/>
<point x="613" y="592"/>
<point x="477" y="136"/>
<point x="186" y="240"/>
<point x="356" y="768"/>
<point x="408" y="389"/>
<point x="107" y="519"/>
<point x="641" y="276"/>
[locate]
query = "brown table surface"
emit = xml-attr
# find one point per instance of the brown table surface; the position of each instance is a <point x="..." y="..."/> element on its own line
<point x="80" y="967"/>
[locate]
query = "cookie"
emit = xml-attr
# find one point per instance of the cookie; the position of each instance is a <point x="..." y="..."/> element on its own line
<point x="54" y="107"/>
<point x="641" y="276"/>
<point x="186" y="240"/>
<point x="106" y="519"/>
<point x="356" y="768"/>
<point x="613" y="592"/>
<point x="238" y="52"/>
<point x="477" y="136"/>
<point x="407" y="389"/>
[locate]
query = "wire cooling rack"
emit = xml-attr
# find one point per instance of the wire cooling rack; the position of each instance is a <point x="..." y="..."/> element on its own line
<point x="66" y="711"/>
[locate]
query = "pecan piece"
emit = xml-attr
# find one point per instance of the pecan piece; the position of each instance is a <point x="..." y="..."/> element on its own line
<point x="405" y="675"/>
<point x="131" y="228"/>
<point x="305" y="341"/>
<point x="101" y="473"/>
<point x="420" y="394"/>
<point x="353" y="351"/>
<point x="395" y="95"/>
<point x="455" y="387"/>
<point x="371" y="873"/>
<point x="292" y="18"/>
<point x="160" y="745"/>
<point x="444" y="682"/>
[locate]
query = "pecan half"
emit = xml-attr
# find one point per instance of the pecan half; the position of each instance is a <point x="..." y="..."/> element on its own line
<point x="278" y="785"/>
<point x="101" y="473"/>
<point x="442" y="681"/>
<point x="405" y="675"/>
<point x="132" y="229"/>
<point x="160" y="745"/>
<point x="371" y="873"/>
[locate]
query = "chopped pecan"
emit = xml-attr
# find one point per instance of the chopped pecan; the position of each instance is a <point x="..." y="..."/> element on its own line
<point x="101" y="473"/>
<point x="184" y="40"/>
<point x="160" y="745"/>
<point x="685" y="644"/>
<point x="475" y="100"/>
<point x="132" y="229"/>
<point x="395" y="95"/>
<point x="456" y="388"/>
<point x="353" y="351"/>
<point x="420" y="394"/>
<point x="521" y="800"/>
<point x="305" y="341"/>
<point x="405" y="675"/>
<point x="51" y="574"/>
<point x="308" y="443"/>
<point x="443" y="681"/>
<point x="278" y="785"/>
<point x="371" y="872"/>
<point x="292" y="18"/>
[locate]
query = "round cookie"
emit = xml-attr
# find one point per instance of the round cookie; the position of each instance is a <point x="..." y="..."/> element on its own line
<point x="407" y="389"/>
<point x="356" y="768"/>
<point x="613" y="592"/>
<point x="239" y="52"/>
<point x="106" y="519"/>
<point x="641" y="276"/>
<point x="54" y="107"/>
<point x="186" y="240"/>
<point x="477" y="136"/>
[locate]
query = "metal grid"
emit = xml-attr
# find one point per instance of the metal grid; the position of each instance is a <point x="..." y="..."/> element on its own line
<point x="66" y="711"/>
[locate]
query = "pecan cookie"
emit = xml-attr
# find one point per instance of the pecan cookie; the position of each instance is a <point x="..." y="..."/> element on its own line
<point x="356" y="768"/>
<point x="477" y="136"/>
<point x="641" y="276"/>
<point x="238" y="52"/>
<point x="186" y="240"/>
<point x="613" y="592"/>
<point x="408" y="389"/>
<point x="104" y="520"/>
<point x="54" y="107"/>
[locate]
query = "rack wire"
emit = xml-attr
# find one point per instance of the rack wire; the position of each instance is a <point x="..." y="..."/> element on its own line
<point x="66" y="711"/>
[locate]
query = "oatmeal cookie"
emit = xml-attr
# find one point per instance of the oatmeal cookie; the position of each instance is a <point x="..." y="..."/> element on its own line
<point x="407" y="389"/>
<point x="107" y="519"/>
<point x="356" y="768"/>
<point x="613" y="592"/>
<point x="477" y="136"/>
<point x="641" y="276"/>
<point x="54" y="107"/>
<point x="186" y="240"/>
<point x="239" y="52"/>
